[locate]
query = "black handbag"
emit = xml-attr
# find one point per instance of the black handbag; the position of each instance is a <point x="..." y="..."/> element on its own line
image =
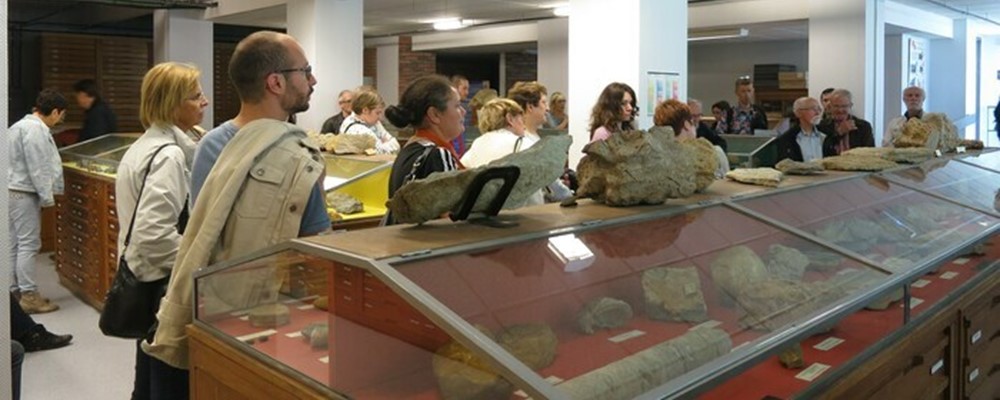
<point x="131" y="305"/>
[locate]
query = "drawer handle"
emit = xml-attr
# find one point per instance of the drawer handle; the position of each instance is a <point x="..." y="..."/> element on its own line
<point x="973" y="375"/>
<point x="938" y="366"/>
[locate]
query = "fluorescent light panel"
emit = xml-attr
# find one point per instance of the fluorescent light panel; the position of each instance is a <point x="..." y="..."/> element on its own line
<point x="718" y="34"/>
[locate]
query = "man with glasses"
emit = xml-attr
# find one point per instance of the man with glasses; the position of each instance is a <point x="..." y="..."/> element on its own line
<point x="745" y="116"/>
<point x="844" y="130"/>
<point x="803" y="142"/>
<point x="255" y="181"/>
<point x="702" y="130"/>
<point x="332" y="124"/>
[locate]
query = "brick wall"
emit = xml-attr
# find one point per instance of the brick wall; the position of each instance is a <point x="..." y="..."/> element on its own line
<point x="371" y="65"/>
<point x="413" y="64"/>
<point x="521" y="67"/>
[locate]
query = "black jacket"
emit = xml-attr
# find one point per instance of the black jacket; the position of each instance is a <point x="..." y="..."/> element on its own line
<point x="98" y="120"/>
<point x="332" y="124"/>
<point x="996" y="119"/>
<point x="860" y="137"/>
<point x="705" y="132"/>
<point x="788" y="145"/>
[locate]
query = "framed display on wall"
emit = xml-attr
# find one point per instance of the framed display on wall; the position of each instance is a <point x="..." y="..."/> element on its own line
<point x="661" y="86"/>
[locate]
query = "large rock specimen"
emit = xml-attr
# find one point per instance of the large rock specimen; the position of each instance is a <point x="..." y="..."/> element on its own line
<point x="603" y="313"/>
<point x="773" y="303"/>
<point x="823" y="261"/>
<point x="756" y="176"/>
<point x="735" y="268"/>
<point x="792" y="358"/>
<point x="853" y="233"/>
<point x="786" y="262"/>
<point x="351" y="144"/>
<point x="640" y="372"/>
<point x="532" y="344"/>
<point x="269" y="315"/>
<point x="344" y="203"/>
<point x="934" y="131"/>
<point x="426" y="199"/>
<point x="857" y="163"/>
<point x="906" y="155"/>
<point x="461" y="374"/>
<point x="636" y="167"/>
<point x="705" y="161"/>
<point x="317" y="334"/>
<point x="674" y="294"/>
<point x="790" y="167"/>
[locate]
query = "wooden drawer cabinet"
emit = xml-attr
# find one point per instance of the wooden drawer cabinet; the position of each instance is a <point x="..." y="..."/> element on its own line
<point x="86" y="235"/>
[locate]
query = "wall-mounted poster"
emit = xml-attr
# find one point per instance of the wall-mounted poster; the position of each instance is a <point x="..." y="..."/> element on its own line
<point x="661" y="86"/>
<point x="915" y="63"/>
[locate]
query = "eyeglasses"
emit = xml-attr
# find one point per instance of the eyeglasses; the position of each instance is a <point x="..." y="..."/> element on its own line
<point x="197" y="97"/>
<point x="308" y="70"/>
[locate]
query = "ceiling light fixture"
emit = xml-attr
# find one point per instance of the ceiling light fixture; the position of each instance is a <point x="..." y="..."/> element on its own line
<point x="449" y="24"/>
<point x="717" y="34"/>
<point x="561" y="11"/>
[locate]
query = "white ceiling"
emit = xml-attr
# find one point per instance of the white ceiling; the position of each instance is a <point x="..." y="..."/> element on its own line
<point x="986" y="9"/>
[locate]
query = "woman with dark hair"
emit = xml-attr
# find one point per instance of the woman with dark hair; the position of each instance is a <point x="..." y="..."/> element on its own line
<point x="614" y="112"/>
<point x="432" y="107"/>
<point x="719" y="110"/>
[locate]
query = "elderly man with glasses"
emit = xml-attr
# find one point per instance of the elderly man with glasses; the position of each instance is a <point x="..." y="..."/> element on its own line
<point x="803" y="141"/>
<point x="845" y="131"/>
<point x="344" y="100"/>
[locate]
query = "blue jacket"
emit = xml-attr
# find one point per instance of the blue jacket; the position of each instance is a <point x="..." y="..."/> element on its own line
<point x="35" y="165"/>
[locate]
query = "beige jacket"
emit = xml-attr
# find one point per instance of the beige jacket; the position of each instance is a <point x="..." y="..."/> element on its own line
<point x="253" y="198"/>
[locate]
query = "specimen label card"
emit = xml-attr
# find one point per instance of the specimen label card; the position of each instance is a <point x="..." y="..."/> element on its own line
<point x="255" y="336"/>
<point x="828" y="344"/>
<point x="961" y="261"/>
<point x="920" y="283"/>
<point x="245" y="318"/>
<point x="914" y="302"/>
<point x="325" y="359"/>
<point x="306" y="307"/>
<point x="813" y="372"/>
<point x="626" y="336"/>
<point x="293" y="335"/>
<point x="949" y="275"/>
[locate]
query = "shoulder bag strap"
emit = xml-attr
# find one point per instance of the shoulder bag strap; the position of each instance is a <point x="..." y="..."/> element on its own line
<point x="128" y="236"/>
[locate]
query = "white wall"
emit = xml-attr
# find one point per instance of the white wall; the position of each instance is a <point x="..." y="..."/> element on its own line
<point x="989" y="87"/>
<point x="895" y="76"/>
<point x="952" y="77"/>
<point x="714" y="66"/>
<point x="553" y="54"/>
<point x="387" y="58"/>
<point x="182" y="36"/>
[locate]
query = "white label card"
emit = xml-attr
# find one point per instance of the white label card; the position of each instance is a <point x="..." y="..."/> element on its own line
<point x="974" y="374"/>
<point x="920" y="283"/>
<point x="949" y="275"/>
<point x="828" y="344"/>
<point x="960" y="261"/>
<point x="245" y="318"/>
<point x="707" y="324"/>
<point x="325" y="359"/>
<point x="813" y="372"/>
<point x="937" y="366"/>
<point x="626" y="336"/>
<point x="293" y="335"/>
<point x="914" y="302"/>
<point x="976" y="336"/>
<point x="306" y="307"/>
<point x="255" y="336"/>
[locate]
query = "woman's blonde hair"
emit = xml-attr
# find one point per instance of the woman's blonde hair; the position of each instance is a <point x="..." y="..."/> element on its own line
<point x="366" y="99"/>
<point x="556" y="97"/>
<point x="164" y="88"/>
<point x="494" y="114"/>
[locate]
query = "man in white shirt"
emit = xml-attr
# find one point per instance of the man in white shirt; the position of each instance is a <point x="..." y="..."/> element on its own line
<point x="913" y="97"/>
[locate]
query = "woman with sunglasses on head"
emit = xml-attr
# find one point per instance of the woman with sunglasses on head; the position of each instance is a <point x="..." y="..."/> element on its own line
<point x="614" y="112"/>
<point x="432" y="108"/>
<point x="151" y="191"/>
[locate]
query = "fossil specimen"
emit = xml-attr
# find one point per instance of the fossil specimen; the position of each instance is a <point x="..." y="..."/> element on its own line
<point x="823" y="261"/>
<point x="756" y="176"/>
<point x="322" y="303"/>
<point x="316" y="334"/>
<point x="705" y="161"/>
<point x="636" y="167"/>
<point x="786" y="262"/>
<point x="269" y="315"/>
<point x="674" y="294"/>
<point x="735" y="268"/>
<point x="533" y="344"/>
<point x="790" y="167"/>
<point x="351" y="144"/>
<point x="908" y="155"/>
<point x="773" y="303"/>
<point x="344" y="203"/>
<point x="792" y="358"/>
<point x="603" y="312"/>
<point x="857" y="163"/>
<point x="426" y="199"/>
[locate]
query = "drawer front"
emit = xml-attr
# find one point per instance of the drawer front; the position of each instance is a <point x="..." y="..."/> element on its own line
<point x="925" y="374"/>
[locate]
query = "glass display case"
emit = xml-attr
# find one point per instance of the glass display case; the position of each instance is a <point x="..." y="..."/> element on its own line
<point x="99" y="155"/>
<point x="749" y="151"/>
<point x="365" y="182"/>
<point x="673" y="302"/>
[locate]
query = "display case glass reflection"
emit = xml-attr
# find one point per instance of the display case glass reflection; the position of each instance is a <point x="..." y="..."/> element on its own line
<point x="100" y="155"/>
<point x="956" y="181"/>
<point x="616" y="312"/>
<point x="279" y="307"/>
<point x="989" y="160"/>
<point x="895" y="226"/>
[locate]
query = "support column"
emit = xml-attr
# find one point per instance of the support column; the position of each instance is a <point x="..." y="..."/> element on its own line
<point x="331" y="33"/>
<point x="183" y="36"/>
<point x="5" y="367"/>
<point x="846" y="50"/>
<point x="553" y="54"/>
<point x="952" y="86"/>
<point x="387" y="56"/>
<point x="622" y="41"/>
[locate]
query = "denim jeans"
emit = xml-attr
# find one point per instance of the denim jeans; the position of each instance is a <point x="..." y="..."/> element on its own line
<point x="24" y="220"/>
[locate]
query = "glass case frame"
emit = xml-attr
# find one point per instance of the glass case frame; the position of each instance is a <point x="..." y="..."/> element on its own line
<point x="691" y="383"/>
<point x="99" y="155"/>
<point x="366" y="178"/>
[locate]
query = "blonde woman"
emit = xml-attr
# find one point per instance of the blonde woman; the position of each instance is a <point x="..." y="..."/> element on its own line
<point x="502" y="120"/>
<point x="365" y="119"/>
<point x="151" y="190"/>
<point x="557" y="118"/>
